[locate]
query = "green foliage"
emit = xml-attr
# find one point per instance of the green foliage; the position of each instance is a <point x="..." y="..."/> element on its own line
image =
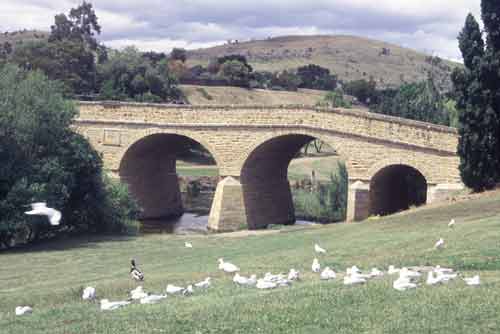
<point x="316" y="77"/>
<point x="236" y="72"/>
<point x="286" y="80"/>
<point x="364" y="91"/>
<point x="327" y="202"/>
<point x="127" y="75"/>
<point x="450" y="105"/>
<point x="477" y="88"/>
<point x="178" y="54"/>
<point x="490" y="13"/>
<point x="79" y="26"/>
<point x="334" y="99"/>
<point x="67" y="61"/>
<point x="419" y="101"/>
<point x="69" y="54"/>
<point x="43" y="160"/>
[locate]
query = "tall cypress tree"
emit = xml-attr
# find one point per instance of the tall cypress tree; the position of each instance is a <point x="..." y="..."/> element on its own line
<point x="490" y="12"/>
<point x="476" y="88"/>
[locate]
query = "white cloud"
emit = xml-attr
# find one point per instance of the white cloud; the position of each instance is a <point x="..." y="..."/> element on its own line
<point x="159" y="45"/>
<point x="430" y="25"/>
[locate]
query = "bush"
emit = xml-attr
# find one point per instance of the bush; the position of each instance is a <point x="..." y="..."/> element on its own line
<point x="326" y="203"/>
<point x="43" y="160"/>
<point x="334" y="99"/>
<point x="129" y="76"/>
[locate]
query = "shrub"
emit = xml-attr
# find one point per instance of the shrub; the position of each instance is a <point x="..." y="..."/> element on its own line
<point x="43" y="160"/>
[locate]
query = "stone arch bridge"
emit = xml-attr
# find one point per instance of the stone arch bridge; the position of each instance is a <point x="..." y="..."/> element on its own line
<point x="253" y="146"/>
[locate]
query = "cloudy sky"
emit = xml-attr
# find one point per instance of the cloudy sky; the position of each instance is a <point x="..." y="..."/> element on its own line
<point x="159" y="25"/>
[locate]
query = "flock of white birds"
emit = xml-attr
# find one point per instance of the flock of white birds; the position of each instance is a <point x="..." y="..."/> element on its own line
<point x="408" y="277"/>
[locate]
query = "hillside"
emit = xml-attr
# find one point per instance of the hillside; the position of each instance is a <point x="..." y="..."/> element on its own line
<point x="15" y="37"/>
<point x="50" y="277"/>
<point x="349" y="57"/>
<point x="203" y="95"/>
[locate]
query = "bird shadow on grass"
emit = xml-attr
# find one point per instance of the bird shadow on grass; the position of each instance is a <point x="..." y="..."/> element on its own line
<point x="63" y="243"/>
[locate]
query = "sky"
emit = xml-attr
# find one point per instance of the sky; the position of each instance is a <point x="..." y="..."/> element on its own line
<point x="430" y="26"/>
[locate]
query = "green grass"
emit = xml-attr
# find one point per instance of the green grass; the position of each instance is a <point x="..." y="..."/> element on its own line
<point x="197" y="171"/>
<point x="50" y="277"/>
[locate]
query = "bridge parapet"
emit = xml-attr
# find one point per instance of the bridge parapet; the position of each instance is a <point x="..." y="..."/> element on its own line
<point x="351" y="122"/>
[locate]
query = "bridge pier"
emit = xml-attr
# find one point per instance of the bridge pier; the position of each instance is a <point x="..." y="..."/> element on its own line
<point x="440" y="192"/>
<point x="228" y="209"/>
<point x="358" y="201"/>
<point x="253" y="205"/>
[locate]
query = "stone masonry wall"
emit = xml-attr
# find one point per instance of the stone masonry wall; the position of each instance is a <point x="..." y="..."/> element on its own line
<point x="368" y="142"/>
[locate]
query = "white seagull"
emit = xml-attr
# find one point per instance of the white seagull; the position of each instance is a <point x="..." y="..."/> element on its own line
<point x="188" y="291"/>
<point x="318" y="249"/>
<point x="451" y="224"/>
<point x="444" y="276"/>
<point x="106" y="305"/>
<point x="431" y="279"/>
<point x="327" y="274"/>
<point x="172" y="289"/>
<point x="393" y="270"/>
<point x="472" y="280"/>
<point x="263" y="284"/>
<point x="375" y="273"/>
<point x="188" y="245"/>
<point x="227" y="266"/>
<point x="138" y="293"/>
<point x="403" y="283"/>
<point x="203" y="284"/>
<point x="354" y="279"/>
<point x="88" y="293"/>
<point x="22" y="310"/>
<point x="353" y="270"/>
<point x="315" y="267"/>
<point x="439" y="244"/>
<point x="152" y="299"/>
<point x="405" y="272"/>
<point x="293" y="275"/>
<point x="41" y="209"/>
<point x="242" y="280"/>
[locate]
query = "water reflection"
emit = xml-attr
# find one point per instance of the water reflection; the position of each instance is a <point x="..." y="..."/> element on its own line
<point x="188" y="223"/>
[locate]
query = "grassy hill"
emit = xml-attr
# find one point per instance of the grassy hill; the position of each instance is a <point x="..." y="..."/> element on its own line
<point x="203" y="95"/>
<point x="22" y="36"/>
<point x="349" y="57"/>
<point x="50" y="277"/>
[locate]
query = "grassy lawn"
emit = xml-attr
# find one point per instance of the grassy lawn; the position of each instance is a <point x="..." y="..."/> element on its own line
<point x="299" y="168"/>
<point x="50" y="277"/>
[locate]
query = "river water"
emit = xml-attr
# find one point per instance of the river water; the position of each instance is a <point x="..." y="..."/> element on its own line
<point x="188" y="223"/>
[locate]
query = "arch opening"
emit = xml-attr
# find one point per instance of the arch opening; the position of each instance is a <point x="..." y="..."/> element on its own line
<point x="270" y="180"/>
<point x="396" y="188"/>
<point x="151" y="166"/>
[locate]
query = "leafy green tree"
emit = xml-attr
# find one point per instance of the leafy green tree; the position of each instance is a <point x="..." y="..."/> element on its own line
<point x="80" y="25"/>
<point x="450" y="105"/>
<point x="235" y="72"/>
<point x="178" y="54"/>
<point x="66" y="61"/>
<point x="477" y="88"/>
<point x="419" y="101"/>
<point x="287" y="80"/>
<point x="316" y="77"/>
<point x="127" y="75"/>
<point x="334" y="99"/>
<point x="43" y="159"/>
<point x="364" y="91"/>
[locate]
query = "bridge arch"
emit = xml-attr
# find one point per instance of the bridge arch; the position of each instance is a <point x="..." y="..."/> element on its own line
<point x="381" y="164"/>
<point x="148" y="166"/>
<point x="267" y="196"/>
<point x="397" y="187"/>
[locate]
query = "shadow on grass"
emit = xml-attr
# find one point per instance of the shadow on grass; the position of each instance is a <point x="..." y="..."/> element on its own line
<point x="63" y="243"/>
